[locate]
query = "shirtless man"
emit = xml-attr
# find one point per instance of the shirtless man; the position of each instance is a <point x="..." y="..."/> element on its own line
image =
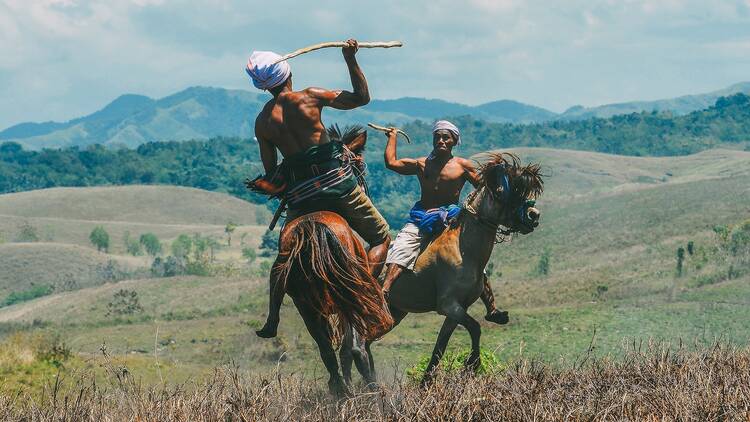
<point x="314" y="170"/>
<point x="441" y="178"/>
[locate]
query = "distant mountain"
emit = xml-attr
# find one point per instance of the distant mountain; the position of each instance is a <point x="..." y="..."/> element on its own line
<point x="203" y="113"/>
<point x="680" y="105"/>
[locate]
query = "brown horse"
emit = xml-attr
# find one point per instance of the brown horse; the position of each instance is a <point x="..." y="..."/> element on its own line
<point x="323" y="266"/>
<point x="448" y="275"/>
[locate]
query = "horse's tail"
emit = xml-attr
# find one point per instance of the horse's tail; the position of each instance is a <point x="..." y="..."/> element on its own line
<point x="321" y="270"/>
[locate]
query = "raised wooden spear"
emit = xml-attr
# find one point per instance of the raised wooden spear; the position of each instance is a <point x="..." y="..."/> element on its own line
<point x="388" y="129"/>
<point x="376" y="44"/>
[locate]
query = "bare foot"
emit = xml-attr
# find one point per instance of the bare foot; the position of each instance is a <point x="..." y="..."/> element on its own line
<point x="268" y="330"/>
<point x="497" y="316"/>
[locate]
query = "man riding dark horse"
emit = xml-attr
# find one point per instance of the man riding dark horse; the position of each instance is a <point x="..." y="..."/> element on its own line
<point x="441" y="177"/>
<point x="315" y="174"/>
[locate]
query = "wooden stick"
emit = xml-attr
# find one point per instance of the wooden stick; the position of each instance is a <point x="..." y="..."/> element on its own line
<point x="388" y="129"/>
<point x="277" y="214"/>
<point x="376" y="44"/>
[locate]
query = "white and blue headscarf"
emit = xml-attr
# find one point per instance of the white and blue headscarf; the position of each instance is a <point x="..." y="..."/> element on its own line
<point x="264" y="73"/>
<point x="450" y="127"/>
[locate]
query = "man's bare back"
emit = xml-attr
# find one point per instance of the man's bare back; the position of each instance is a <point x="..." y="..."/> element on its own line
<point x="291" y="121"/>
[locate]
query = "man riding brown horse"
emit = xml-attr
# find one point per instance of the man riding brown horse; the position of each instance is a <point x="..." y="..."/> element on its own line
<point x="441" y="177"/>
<point x="315" y="174"/>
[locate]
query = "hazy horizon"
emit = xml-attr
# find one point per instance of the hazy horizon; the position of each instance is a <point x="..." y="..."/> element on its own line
<point x="67" y="58"/>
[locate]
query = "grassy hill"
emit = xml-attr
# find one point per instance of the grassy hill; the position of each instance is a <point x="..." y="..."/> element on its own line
<point x="610" y="230"/>
<point x="47" y="233"/>
<point x="136" y="204"/>
<point x="63" y="266"/>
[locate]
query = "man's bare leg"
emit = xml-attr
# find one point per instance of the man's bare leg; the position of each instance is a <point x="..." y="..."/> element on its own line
<point x="493" y="314"/>
<point x="275" y="299"/>
<point x="376" y="257"/>
<point x="391" y="274"/>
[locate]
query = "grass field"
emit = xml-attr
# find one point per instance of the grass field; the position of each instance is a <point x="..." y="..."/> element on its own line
<point x="610" y="229"/>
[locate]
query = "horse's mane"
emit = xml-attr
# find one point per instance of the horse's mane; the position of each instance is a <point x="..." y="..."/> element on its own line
<point x="526" y="181"/>
<point x="347" y="136"/>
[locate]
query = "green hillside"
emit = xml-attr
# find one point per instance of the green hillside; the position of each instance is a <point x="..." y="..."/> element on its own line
<point x="680" y="105"/>
<point x="611" y="227"/>
<point x="222" y="164"/>
<point x="136" y="204"/>
<point x="62" y="266"/>
<point x="205" y="112"/>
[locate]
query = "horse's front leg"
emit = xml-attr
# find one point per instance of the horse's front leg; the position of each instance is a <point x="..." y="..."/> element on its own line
<point x="437" y="353"/>
<point x="475" y="332"/>
<point x="317" y="325"/>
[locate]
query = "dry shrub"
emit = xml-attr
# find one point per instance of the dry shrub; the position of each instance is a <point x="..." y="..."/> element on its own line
<point x="656" y="384"/>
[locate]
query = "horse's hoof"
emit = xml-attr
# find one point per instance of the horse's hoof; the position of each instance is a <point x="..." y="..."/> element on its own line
<point x="498" y="317"/>
<point x="268" y="330"/>
<point x="473" y="363"/>
<point x="339" y="389"/>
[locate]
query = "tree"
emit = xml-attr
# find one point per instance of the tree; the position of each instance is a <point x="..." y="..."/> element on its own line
<point x="249" y="254"/>
<point x="151" y="244"/>
<point x="124" y="302"/>
<point x="182" y="246"/>
<point x="132" y="246"/>
<point x="542" y="267"/>
<point x="100" y="238"/>
<point x="269" y="243"/>
<point x="27" y="233"/>
<point x="229" y="229"/>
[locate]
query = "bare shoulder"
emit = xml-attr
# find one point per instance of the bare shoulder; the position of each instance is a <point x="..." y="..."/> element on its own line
<point x="321" y="93"/>
<point x="467" y="164"/>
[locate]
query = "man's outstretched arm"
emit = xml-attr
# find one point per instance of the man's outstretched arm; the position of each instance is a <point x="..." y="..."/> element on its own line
<point x="405" y="166"/>
<point x="470" y="172"/>
<point x="345" y="100"/>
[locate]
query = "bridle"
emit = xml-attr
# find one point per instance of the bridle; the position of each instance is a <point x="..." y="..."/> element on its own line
<point x="506" y="195"/>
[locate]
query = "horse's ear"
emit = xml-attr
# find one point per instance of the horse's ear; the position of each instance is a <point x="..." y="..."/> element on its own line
<point x="357" y="144"/>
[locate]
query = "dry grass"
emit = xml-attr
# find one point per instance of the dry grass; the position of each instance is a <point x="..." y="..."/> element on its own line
<point x="577" y="174"/>
<point x="656" y="384"/>
<point x="142" y="204"/>
<point x="25" y="264"/>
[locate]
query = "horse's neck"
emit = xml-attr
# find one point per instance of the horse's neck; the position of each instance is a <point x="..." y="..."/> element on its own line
<point x="476" y="240"/>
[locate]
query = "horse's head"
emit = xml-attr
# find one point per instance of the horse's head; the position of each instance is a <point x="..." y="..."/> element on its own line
<point x="507" y="193"/>
<point x="354" y="137"/>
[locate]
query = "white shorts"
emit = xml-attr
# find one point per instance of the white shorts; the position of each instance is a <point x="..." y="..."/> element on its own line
<point x="405" y="249"/>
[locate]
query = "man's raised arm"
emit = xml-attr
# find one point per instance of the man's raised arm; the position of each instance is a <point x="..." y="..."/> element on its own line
<point x="345" y="100"/>
<point x="405" y="166"/>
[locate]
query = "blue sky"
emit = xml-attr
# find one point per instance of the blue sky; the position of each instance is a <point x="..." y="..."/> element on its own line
<point x="64" y="58"/>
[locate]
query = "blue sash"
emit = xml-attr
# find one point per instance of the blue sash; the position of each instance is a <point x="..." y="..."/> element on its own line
<point x="434" y="220"/>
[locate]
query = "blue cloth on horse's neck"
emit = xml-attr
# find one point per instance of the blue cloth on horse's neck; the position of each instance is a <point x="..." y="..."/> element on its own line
<point x="432" y="221"/>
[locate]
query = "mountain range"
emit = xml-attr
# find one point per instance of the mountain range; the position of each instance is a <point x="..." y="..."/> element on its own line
<point x="205" y="112"/>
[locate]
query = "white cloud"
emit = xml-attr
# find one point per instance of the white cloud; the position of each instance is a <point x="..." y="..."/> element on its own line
<point x="62" y="59"/>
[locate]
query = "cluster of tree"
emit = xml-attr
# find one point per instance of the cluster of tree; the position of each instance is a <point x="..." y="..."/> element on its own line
<point x="222" y="164"/>
<point x="193" y="255"/>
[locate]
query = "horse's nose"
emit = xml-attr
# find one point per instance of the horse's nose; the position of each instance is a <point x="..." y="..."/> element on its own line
<point x="533" y="214"/>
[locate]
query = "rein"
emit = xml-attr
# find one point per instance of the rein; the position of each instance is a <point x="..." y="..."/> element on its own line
<point x="486" y="223"/>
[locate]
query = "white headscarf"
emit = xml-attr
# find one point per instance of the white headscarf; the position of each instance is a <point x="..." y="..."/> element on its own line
<point x="265" y="74"/>
<point x="450" y="127"/>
